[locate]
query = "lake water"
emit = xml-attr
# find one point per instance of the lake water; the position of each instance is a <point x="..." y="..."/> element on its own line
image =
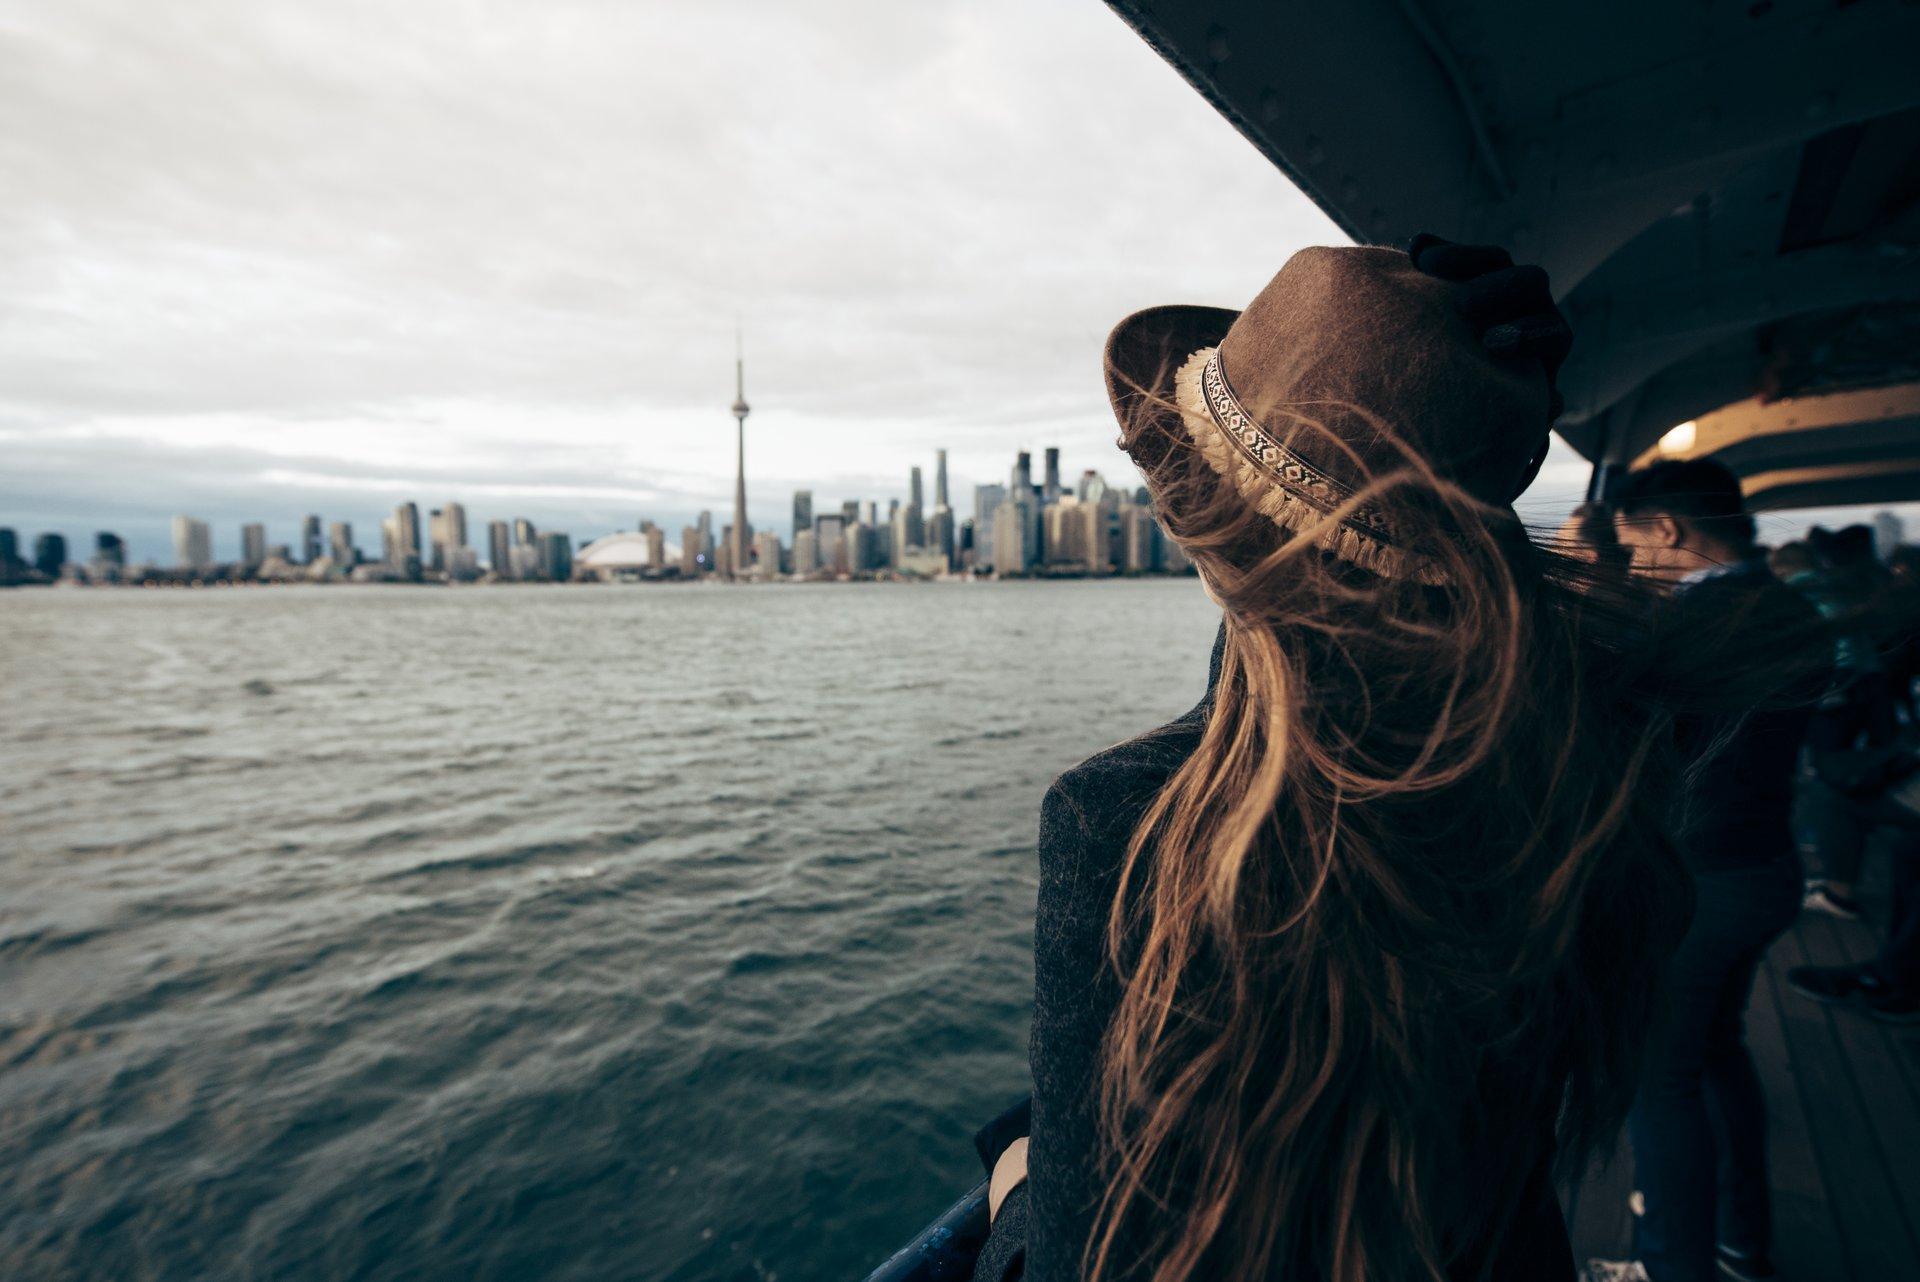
<point x="650" y="932"/>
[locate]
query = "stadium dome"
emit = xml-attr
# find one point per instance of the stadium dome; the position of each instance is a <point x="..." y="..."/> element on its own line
<point x="626" y="550"/>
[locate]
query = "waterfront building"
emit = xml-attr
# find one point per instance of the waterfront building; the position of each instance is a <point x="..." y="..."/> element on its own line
<point x="340" y="545"/>
<point x="500" y="548"/>
<point x="656" y="546"/>
<point x="766" y="554"/>
<point x="110" y="549"/>
<point x="1010" y="546"/>
<point x="524" y="562"/>
<point x="310" y="539"/>
<point x="50" y="554"/>
<point x="463" y="564"/>
<point x="850" y="511"/>
<point x="556" y="556"/>
<point x="192" y="543"/>
<point x="1066" y="526"/>
<point x="986" y="500"/>
<point x="806" y="552"/>
<point x="739" y="534"/>
<point x="1137" y="531"/>
<point x="940" y="533"/>
<point x="447" y="527"/>
<point x="859" y="555"/>
<point x="870" y="513"/>
<point x="253" y="545"/>
<point x="940" y="479"/>
<point x="802" y="512"/>
<point x="1021" y="481"/>
<point x="922" y="563"/>
<point x="11" y="566"/>
<point x="390" y="554"/>
<point x="523" y="532"/>
<point x="1050" y="492"/>
<point x="697" y="548"/>
<point x="830" y="537"/>
<point x="407" y="521"/>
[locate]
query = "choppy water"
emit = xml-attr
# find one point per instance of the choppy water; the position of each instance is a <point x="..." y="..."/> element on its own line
<point x="663" y="933"/>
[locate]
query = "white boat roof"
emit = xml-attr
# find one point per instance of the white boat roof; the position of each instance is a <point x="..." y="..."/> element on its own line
<point x="1727" y="197"/>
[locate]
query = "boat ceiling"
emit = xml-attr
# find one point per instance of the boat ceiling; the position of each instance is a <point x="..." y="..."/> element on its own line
<point x="1726" y="195"/>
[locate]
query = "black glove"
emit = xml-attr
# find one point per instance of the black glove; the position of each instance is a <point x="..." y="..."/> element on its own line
<point x="991" y="1140"/>
<point x="1510" y="307"/>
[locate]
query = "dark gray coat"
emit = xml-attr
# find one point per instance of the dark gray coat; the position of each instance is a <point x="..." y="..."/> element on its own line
<point x="1085" y="822"/>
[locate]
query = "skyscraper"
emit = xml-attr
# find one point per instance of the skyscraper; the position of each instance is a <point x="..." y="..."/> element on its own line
<point x="310" y="539"/>
<point x="802" y="511"/>
<point x="253" y="545"/>
<point x="742" y="538"/>
<point x="406" y="528"/>
<point x="500" y="548"/>
<point x="986" y="498"/>
<point x="556" y="556"/>
<point x="109" y="549"/>
<point x="1050" y="492"/>
<point x="1021" y="481"/>
<point x="192" y="543"/>
<point x="940" y="479"/>
<point x="914" y="495"/>
<point x="340" y="545"/>
<point x="523" y="532"/>
<point x="50" y="553"/>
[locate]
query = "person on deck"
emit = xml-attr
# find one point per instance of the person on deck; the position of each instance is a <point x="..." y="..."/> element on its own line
<point x="1705" y="1199"/>
<point x="1331" y="971"/>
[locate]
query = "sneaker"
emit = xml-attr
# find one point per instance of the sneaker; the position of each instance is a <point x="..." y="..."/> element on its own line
<point x="1857" y="989"/>
<point x="1745" y="1266"/>
<point x="1614" y="1271"/>
<point x="1836" y="984"/>
<point x="1822" y="898"/>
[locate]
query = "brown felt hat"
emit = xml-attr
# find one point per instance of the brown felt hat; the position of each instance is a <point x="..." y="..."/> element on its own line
<point x="1350" y="359"/>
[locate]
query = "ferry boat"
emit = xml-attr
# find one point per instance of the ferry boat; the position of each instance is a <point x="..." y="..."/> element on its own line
<point x="1726" y="196"/>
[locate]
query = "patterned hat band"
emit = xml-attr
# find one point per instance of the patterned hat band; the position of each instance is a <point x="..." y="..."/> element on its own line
<point x="1294" y="493"/>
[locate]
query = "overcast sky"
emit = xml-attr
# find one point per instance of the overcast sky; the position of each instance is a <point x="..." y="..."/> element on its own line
<point x="265" y="257"/>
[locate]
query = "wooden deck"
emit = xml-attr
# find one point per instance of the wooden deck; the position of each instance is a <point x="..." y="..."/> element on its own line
<point x="1843" y="1113"/>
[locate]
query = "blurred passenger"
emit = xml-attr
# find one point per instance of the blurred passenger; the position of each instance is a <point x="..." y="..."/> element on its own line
<point x="1329" y="971"/>
<point x="1699" y="1123"/>
<point x="1856" y="722"/>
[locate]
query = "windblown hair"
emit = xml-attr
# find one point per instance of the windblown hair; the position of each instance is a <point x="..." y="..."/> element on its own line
<point x="1394" y="930"/>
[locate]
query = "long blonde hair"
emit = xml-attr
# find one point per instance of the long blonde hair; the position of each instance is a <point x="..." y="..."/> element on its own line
<point x="1393" y="931"/>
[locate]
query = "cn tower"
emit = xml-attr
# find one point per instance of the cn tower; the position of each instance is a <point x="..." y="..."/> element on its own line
<point x="737" y="550"/>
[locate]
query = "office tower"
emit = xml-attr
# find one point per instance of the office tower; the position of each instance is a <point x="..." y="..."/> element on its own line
<point x="802" y="511"/>
<point x="1096" y="537"/>
<point x="737" y="545"/>
<point x="893" y="510"/>
<point x="1066" y="528"/>
<point x="523" y="532"/>
<point x="656" y="546"/>
<point x="850" y="511"/>
<point x="806" y="552"/>
<point x="940" y="479"/>
<point x="909" y="522"/>
<point x="390" y="541"/>
<point x="109" y="549"/>
<point x="1051" y="492"/>
<point x="463" y="564"/>
<point x="940" y="533"/>
<point x="340" y="545"/>
<point x="192" y="543"/>
<point x="1021" y="481"/>
<point x="448" y="529"/>
<point x="766" y="554"/>
<point x="253" y="545"/>
<point x="914" y="497"/>
<point x="556" y="557"/>
<point x="12" y="568"/>
<point x="406" y="526"/>
<point x="859" y="554"/>
<point x="1137" y="539"/>
<point x="696" y="547"/>
<point x="986" y="499"/>
<point x="500" y="548"/>
<point x="50" y="554"/>
<point x="310" y="539"/>
<point x="1010" y="546"/>
<point x="524" y="560"/>
<point x="872" y="514"/>
<point x="830" y="537"/>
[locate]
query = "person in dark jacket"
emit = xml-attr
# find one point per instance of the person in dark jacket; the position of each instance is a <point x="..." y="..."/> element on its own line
<point x="1335" y="971"/>
<point x="1699" y="1125"/>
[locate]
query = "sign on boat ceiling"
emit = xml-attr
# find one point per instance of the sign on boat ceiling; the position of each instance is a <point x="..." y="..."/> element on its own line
<point x="1726" y="195"/>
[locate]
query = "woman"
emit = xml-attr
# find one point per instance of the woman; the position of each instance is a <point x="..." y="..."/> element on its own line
<point x="1331" y="970"/>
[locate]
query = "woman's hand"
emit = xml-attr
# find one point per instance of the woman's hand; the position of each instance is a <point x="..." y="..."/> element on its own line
<point x="1008" y="1172"/>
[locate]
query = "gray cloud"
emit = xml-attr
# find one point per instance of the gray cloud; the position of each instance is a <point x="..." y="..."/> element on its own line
<point x="477" y="246"/>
